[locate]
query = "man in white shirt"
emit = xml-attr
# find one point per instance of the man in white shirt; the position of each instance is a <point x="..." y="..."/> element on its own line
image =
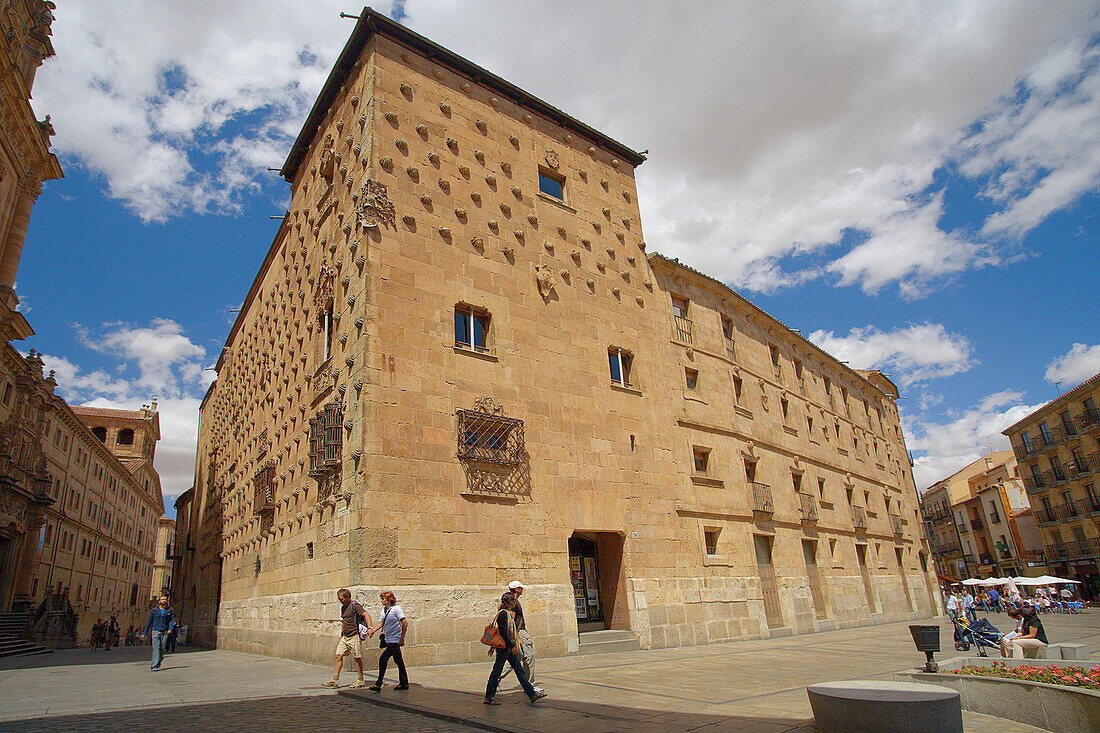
<point x="968" y="607"/>
<point x="952" y="604"/>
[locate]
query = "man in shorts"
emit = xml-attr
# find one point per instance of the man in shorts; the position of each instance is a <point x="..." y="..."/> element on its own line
<point x="351" y="615"/>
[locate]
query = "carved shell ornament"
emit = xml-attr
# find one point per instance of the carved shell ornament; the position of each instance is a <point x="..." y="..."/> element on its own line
<point x="374" y="206"/>
<point x="544" y="278"/>
<point x="552" y="159"/>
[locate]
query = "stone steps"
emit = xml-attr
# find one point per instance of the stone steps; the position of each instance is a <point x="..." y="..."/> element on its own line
<point x="606" y="642"/>
<point x="12" y="645"/>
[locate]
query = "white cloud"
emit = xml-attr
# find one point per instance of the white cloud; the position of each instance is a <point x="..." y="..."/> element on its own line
<point x="168" y="366"/>
<point x="774" y="129"/>
<point x="165" y="357"/>
<point x="914" y="354"/>
<point x="964" y="437"/>
<point x="143" y="92"/>
<point x="1075" y="366"/>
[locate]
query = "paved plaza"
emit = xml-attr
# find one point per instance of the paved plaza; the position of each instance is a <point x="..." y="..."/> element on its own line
<point x="749" y="686"/>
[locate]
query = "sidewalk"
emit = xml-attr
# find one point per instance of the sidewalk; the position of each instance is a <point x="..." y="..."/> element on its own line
<point x="751" y="686"/>
<point x="757" y="686"/>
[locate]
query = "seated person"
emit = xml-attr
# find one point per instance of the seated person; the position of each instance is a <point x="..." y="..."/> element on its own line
<point x="1014" y="614"/>
<point x="1032" y="636"/>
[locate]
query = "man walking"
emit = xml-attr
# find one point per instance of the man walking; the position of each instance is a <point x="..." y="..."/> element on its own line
<point x="526" y="643"/>
<point x="968" y="606"/>
<point x="995" y="599"/>
<point x="351" y="615"/>
<point x="160" y="620"/>
<point x="952" y="604"/>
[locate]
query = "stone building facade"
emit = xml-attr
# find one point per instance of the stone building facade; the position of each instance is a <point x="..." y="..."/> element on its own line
<point x="25" y="162"/>
<point x="162" y="559"/>
<point x="1058" y="447"/>
<point x="98" y="538"/>
<point x="458" y="366"/>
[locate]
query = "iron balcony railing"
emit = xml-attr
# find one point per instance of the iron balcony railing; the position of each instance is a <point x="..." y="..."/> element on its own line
<point x="682" y="329"/>
<point x="969" y="559"/>
<point x="1035" y="482"/>
<point x="762" y="498"/>
<point x="995" y="519"/>
<point x="1088" y="419"/>
<point x="977" y="524"/>
<point x="985" y="558"/>
<point x="1068" y="511"/>
<point x="731" y="349"/>
<point x="1035" y="556"/>
<point x="859" y="517"/>
<point x="809" y="507"/>
<point x="1084" y="465"/>
<point x="1073" y="550"/>
<point x="948" y="547"/>
<point x="895" y="522"/>
<point x="964" y="528"/>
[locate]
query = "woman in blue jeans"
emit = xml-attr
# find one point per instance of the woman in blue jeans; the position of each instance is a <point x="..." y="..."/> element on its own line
<point x="506" y="625"/>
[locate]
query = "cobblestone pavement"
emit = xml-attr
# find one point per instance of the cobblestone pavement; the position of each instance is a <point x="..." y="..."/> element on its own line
<point x="314" y="713"/>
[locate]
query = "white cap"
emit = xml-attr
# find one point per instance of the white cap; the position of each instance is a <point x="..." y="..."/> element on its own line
<point x="515" y="584"/>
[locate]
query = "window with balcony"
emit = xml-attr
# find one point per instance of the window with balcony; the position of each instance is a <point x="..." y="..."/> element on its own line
<point x="472" y="328"/>
<point x="680" y="319"/>
<point x="621" y="364"/>
<point x="1067" y="422"/>
<point x="1027" y="442"/>
<point x="1044" y="430"/>
<point x="774" y="351"/>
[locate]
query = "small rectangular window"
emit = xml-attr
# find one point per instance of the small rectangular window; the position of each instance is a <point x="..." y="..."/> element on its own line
<point x="309" y="550"/>
<point x="620" y="363"/>
<point x="785" y="406"/>
<point x="701" y="458"/>
<point x="7" y="393"/>
<point x="710" y="539"/>
<point x="472" y="328"/>
<point x="691" y="378"/>
<point x="737" y="384"/>
<point x="552" y="184"/>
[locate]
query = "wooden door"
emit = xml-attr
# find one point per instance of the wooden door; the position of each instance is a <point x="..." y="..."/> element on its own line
<point x="768" y="585"/>
<point x="809" y="552"/>
<point x="861" y="554"/>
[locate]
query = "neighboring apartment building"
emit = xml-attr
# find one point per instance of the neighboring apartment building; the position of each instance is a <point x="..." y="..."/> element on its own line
<point x="943" y="534"/>
<point x="162" y="559"/>
<point x="99" y="537"/>
<point x="25" y="393"/>
<point x="998" y="502"/>
<point x="1058" y="448"/>
<point x="457" y="366"/>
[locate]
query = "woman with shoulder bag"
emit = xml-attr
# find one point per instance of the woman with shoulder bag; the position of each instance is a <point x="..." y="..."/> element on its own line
<point x="506" y="626"/>
<point x="393" y="625"/>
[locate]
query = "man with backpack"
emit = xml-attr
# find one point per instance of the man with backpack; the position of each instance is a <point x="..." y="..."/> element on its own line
<point x="351" y="616"/>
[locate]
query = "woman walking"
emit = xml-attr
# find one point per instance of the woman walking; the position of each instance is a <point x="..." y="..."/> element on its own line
<point x="506" y="625"/>
<point x="393" y="625"/>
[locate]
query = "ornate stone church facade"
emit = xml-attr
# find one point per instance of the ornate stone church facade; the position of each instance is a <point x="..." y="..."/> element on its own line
<point x="459" y="365"/>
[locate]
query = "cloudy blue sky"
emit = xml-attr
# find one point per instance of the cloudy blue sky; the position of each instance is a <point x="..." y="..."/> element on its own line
<point x="914" y="186"/>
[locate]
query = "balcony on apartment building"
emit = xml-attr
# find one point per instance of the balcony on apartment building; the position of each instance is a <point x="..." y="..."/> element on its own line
<point x="808" y="508"/>
<point x="948" y="547"/>
<point x="896" y="524"/>
<point x="1054" y="436"/>
<point x="1073" y="550"/>
<point x="1068" y="511"/>
<point x="969" y="559"/>
<point x="1087" y="420"/>
<point x="984" y="558"/>
<point x="681" y="329"/>
<point x="976" y="524"/>
<point x="762" y="498"/>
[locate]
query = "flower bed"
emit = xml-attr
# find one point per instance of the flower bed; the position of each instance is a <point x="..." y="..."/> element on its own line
<point x="1049" y="674"/>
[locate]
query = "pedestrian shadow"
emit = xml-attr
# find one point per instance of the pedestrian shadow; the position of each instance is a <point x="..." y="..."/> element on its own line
<point x="551" y="714"/>
<point x="82" y="657"/>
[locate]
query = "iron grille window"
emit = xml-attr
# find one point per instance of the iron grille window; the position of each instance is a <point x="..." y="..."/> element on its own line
<point x="326" y="439"/>
<point x="490" y="438"/>
<point x="264" y="484"/>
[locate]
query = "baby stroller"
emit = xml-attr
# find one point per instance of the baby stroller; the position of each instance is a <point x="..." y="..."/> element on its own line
<point x="981" y="634"/>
